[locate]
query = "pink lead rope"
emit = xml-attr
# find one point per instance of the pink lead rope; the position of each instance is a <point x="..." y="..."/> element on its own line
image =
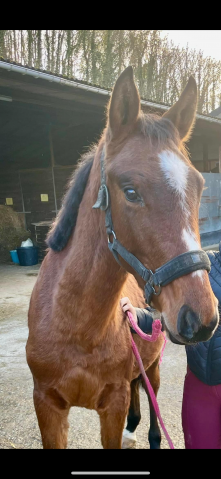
<point x="156" y="331"/>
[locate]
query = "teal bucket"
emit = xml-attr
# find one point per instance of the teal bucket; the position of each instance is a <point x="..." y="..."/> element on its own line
<point x="14" y="256"/>
<point x="27" y="255"/>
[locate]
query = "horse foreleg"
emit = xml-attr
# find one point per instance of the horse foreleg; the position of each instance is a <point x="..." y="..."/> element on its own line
<point x="153" y="375"/>
<point x="133" y="418"/>
<point x="112" y="409"/>
<point x="52" y="412"/>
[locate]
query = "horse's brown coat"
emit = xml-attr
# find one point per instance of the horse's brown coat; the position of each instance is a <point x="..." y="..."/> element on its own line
<point x="79" y="345"/>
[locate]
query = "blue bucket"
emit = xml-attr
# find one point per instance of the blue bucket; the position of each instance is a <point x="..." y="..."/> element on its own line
<point x="14" y="256"/>
<point x="27" y="255"/>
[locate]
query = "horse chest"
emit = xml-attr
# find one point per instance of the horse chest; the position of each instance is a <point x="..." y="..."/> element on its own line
<point x="87" y="378"/>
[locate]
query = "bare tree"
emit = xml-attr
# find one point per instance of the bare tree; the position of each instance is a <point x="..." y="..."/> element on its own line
<point x="161" y="69"/>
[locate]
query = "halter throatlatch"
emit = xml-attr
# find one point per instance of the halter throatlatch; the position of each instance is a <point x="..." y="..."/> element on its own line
<point x="175" y="268"/>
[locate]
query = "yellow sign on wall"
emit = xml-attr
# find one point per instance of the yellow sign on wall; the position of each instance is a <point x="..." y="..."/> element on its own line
<point x="44" y="197"/>
<point x="9" y="201"/>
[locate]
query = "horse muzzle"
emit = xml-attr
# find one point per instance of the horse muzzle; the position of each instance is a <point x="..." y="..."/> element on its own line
<point x="190" y="329"/>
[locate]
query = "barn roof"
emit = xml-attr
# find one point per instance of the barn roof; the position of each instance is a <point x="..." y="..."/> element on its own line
<point x="63" y="80"/>
<point x="216" y="112"/>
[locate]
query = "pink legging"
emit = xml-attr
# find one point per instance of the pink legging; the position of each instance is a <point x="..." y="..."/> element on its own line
<point x="201" y="414"/>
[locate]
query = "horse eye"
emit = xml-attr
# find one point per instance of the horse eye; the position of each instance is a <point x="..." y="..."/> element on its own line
<point x="131" y="194"/>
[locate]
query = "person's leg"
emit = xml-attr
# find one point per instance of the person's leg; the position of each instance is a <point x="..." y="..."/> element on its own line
<point x="201" y="415"/>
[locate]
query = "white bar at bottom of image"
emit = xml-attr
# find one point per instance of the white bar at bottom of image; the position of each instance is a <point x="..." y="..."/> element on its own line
<point x="110" y="473"/>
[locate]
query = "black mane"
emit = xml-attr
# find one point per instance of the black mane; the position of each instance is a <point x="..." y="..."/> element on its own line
<point x="66" y="219"/>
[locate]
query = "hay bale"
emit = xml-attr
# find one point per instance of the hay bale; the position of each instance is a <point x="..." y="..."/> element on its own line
<point x="12" y="232"/>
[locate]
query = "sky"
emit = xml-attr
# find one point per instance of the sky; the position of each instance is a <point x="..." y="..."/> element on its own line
<point x="209" y="41"/>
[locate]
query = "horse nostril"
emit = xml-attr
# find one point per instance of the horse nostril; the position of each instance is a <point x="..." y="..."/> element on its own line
<point x="188" y="322"/>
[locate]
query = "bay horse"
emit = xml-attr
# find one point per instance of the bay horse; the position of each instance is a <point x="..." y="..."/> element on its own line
<point x="79" y="344"/>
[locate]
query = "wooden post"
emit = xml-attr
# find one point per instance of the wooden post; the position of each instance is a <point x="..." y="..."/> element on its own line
<point x="52" y="168"/>
<point x="22" y="200"/>
<point x="220" y="159"/>
<point x="205" y="157"/>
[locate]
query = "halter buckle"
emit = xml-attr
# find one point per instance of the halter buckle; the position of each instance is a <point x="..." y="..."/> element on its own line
<point x="108" y="236"/>
<point x="150" y="287"/>
<point x="157" y="292"/>
<point x="102" y="198"/>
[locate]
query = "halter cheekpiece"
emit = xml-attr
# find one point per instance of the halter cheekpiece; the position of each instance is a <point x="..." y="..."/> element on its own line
<point x="175" y="268"/>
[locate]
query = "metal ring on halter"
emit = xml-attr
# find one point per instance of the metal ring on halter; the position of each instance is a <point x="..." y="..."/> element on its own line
<point x="151" y="282"/>
<point x="157" y="292"/>
<point x="108" y="236"/>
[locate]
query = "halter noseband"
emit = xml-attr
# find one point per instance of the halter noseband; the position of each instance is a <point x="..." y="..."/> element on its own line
<point x="175" y="268"/>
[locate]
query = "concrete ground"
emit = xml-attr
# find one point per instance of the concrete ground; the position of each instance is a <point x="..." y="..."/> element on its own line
<point x="18" y="424"/>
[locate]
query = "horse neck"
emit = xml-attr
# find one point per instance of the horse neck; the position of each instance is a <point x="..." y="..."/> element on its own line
<point x="92" y="280"/>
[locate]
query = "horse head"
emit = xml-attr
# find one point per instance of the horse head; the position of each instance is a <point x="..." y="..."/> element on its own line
<point x="155" y="194"/>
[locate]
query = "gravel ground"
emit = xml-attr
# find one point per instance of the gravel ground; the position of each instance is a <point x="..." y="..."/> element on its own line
<point x="19" y="428"/>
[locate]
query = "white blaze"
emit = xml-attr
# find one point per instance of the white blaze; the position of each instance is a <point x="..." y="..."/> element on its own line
<point x="176" y="173"/>
<point x="192" y="243"/>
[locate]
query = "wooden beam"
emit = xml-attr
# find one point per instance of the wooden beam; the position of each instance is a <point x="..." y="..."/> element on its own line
<point x="61" y="92"/>
<point x="220" y="159"/>
<point x="71" y="105"/>
<point x="205" y="157"/>
<point x="51" y="147"/>
<point x="52" y="169"/>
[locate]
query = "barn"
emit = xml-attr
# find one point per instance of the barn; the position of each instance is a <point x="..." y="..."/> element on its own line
<point x="47" y="121"/>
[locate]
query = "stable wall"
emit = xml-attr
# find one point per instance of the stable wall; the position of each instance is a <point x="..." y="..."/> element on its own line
<point x="210" y="209"/>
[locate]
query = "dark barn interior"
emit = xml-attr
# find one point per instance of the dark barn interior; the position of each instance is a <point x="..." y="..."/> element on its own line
<point x="46" y="123"/>
<point x="42" y="136"/>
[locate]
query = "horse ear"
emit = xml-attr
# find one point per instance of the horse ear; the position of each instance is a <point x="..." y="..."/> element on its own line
<point x="183" y="112"/>
<point x="124" y="106"/>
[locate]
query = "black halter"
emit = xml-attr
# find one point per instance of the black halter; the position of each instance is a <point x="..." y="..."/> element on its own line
<point x="175" y="268"/>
